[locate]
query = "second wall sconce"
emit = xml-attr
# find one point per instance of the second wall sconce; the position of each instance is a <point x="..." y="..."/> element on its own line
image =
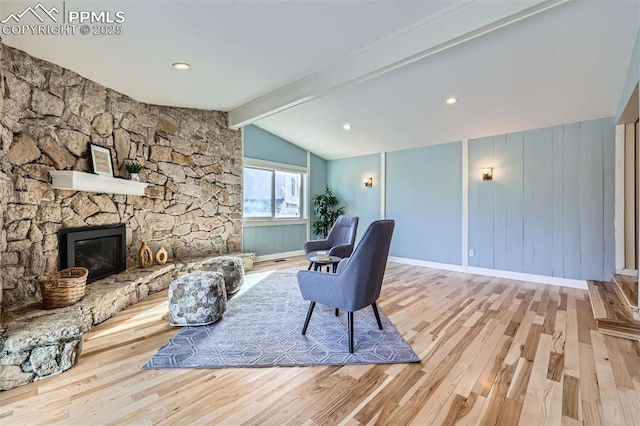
<point x="487" y="173"/>
<point x="368" y="182"/>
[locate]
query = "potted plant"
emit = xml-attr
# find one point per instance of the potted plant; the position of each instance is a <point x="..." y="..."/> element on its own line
<point x="134" y="168"/>
<point x="326" y="210"/>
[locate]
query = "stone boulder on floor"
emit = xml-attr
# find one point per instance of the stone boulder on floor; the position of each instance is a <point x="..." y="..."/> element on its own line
<point x="232" y="270"/>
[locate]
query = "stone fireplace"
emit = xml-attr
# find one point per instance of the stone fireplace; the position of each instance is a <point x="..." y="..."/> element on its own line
<point x="191" y="207"/>
<point x="100" y="249"/>
<point x="48" y="117"/>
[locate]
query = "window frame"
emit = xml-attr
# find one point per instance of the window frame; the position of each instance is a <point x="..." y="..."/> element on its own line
<point x="274" y="167"/>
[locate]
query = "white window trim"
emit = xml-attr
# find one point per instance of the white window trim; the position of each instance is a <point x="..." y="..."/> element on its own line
<point x="280" y="167"/>
<point x="256" y="221"/>
<point x="272" y="165"/>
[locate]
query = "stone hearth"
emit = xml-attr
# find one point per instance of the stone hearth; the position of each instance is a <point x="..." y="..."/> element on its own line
<point x="48" y="117"/>
<point x="40" y="343"/>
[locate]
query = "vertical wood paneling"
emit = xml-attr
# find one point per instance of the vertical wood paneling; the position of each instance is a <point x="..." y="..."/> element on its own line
<point x="485" y="214"/>
<point x="480" y="204"/>
<point x="264" y="240"/>
<point x="515" y="202"/>
<point x="608" y="135"/>
<point x="501" y="177"/>
<point x="529" y="177"/>
<point x="279" y="241"/>
<point x="549" y="210"/>
<point x="557" y="235"/>
<point x="572" y="255"/>
<point x="248" y="238"/>
<point x="591" y="199"/>
<point x="543" y="201"/>
<point x="474" y="224"/>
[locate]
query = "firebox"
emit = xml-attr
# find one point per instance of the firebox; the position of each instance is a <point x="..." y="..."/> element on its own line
<point x="100" y="249"/>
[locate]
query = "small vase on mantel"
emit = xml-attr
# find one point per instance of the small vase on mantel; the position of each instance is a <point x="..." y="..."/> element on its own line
<point x="145" y="255"/>
<point x="134" y="176"/>
<point x="161" y="256"/>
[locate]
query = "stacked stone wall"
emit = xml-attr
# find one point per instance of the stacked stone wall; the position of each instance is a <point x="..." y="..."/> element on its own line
<point x="48" y="117"/>
<point x="5" y="184"/>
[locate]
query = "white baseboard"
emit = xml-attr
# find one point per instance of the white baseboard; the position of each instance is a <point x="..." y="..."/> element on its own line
<point x="427" y="264"/>
<point x="540" y="279"/>
<point x="278" y="255"/>
<point x="627" y="272"/>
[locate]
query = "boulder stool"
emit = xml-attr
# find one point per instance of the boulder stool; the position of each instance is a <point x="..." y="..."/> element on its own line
<point x="232" y="270"/>
<point x="198" y="298"/>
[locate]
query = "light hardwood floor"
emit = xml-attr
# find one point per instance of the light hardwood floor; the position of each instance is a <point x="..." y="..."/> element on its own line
<point x="493" y="351"/>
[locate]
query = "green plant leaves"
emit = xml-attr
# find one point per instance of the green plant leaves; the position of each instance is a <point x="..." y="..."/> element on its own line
<point x="326" y="210"/>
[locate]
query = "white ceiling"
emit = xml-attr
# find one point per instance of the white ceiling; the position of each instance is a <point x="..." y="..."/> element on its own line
<point x="562" y="65"/>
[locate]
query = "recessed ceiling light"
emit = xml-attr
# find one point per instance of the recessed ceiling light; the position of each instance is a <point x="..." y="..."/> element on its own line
<point x="181" y="66"/>
<point x="452" y="100"/>
<point x="347" y="126"/>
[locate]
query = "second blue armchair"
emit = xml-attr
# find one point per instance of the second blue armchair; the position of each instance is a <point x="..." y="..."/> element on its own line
<point x="339" y="242"/>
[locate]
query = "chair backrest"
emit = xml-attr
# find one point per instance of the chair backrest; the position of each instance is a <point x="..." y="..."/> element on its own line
<point x="367" y="264"/>
<point x="343" y="231"/>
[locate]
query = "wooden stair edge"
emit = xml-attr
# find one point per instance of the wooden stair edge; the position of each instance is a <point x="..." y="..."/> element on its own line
<point x="631" y="304"/>
<point x="626" y="325"/>
<point x="619" y="333"/>
<point x="608" y="322"/>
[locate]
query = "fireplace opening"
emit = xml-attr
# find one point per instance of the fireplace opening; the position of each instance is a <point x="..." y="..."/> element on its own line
<point x="100" y="249"/>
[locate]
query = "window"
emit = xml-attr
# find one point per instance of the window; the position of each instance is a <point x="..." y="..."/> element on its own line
<point x="272" y="193"/>
<point x="257" y="192"/>
<point x="288" y="191"/>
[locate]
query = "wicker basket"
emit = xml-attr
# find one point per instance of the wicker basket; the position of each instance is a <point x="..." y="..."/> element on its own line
<point x="64" y="288"/>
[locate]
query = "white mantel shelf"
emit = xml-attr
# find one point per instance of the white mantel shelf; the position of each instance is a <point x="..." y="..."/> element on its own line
<point x="80" y="181"/>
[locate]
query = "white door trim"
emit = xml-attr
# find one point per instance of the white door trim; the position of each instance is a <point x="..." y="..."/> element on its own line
<point x="619" y="197"/>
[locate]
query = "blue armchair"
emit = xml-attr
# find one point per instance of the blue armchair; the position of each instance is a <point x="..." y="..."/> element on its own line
<point x="339" y="242"/>
<point x="358" y="279"/>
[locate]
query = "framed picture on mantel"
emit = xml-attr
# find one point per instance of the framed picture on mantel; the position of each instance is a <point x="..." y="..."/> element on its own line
<point x="101" y="160"/>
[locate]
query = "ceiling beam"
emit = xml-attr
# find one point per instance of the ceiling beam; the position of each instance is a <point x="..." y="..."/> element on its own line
<point x="463" y="21"/>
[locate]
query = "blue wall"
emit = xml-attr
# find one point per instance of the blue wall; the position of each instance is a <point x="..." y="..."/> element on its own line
<point x="264" y="240"/>
<point x="424" y="196"/>
<point x="549" y="209"/>
<point x="263" y="145"/>
<point x="633" y="75"/>
<point x="281" y="238"/>
<point x="317" y="182"/>
<point x="346" y="175"/>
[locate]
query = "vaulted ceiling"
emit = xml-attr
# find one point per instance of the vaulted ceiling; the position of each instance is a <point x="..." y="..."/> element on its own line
<point x="301" y="69"/>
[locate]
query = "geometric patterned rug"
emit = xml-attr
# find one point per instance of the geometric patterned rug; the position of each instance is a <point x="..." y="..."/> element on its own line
<point x="262" y="328"/>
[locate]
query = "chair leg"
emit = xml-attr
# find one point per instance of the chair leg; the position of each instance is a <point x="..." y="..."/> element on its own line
<point x="306" y="322"/>
<point x="310" y="266"/>
<point x="375" y="312"/>
<point x="337" y="312"/>
<point x="350" y="317"/>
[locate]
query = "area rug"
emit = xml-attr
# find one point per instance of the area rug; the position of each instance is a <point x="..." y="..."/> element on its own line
<point x="262" y="328"/>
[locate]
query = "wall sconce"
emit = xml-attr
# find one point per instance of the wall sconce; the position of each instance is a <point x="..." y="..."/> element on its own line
<point x="368" y="182"/>
<point x="487" y="173"/>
